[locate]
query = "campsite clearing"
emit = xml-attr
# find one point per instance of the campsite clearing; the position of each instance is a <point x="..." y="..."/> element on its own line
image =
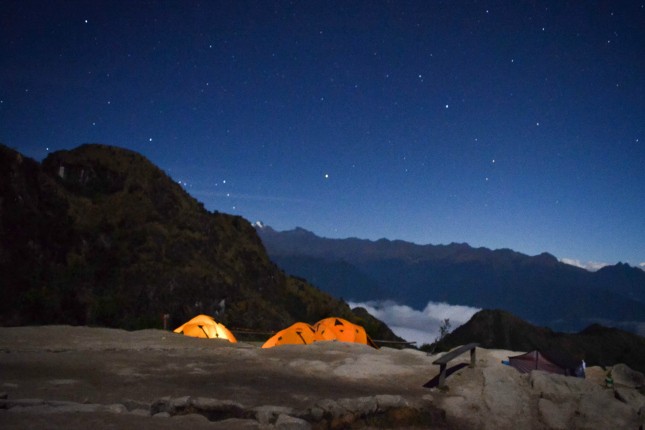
<point x="108" y="365"/>
<point x="73" y="378"/>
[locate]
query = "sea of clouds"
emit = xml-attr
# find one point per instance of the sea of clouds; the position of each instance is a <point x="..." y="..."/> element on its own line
<point x="420" y="326"/>
<point x="592" y="266"/>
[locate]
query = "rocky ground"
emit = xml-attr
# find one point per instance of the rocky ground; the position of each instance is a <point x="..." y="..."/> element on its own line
<point x="78" y="378"/>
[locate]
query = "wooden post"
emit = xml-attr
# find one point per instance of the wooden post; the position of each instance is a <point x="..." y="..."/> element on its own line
<point x="442" y="375"/>
<point x="166" y="320"/>
<point x="472" y="357"/>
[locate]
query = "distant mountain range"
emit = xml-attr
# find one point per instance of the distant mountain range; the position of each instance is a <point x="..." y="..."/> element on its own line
<point x="98" y="235"/>
<point x="538" y="288"/>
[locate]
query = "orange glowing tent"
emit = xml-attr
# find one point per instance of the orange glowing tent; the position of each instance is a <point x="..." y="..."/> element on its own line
<point x="342" y="330"/>
<point x="297" y="334"/>
<point x="205" y="327"/>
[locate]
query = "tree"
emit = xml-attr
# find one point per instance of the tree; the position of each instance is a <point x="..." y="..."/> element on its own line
<point x="444" y="330"/>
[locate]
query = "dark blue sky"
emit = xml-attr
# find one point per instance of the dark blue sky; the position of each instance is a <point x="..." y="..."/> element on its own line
<point x="501" y="124"/>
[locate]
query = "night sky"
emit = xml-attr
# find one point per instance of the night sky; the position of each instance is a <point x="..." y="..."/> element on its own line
<point x="515" y="124"/>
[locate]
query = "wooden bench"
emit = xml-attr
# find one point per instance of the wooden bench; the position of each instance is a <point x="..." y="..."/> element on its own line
<point x="444" y="359"/>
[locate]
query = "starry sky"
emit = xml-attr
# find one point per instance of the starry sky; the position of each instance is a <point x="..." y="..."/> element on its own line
<point x="503" y="124"/>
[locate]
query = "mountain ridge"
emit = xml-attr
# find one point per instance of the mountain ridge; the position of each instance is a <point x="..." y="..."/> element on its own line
<point x="418" y="249"/>
<point x="98" y="235"/>
<point x="538" y="288"/>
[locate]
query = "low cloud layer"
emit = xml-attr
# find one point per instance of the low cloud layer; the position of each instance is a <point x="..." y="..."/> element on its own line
<point x="591" y="266"/>
<point x="414" y="325"/>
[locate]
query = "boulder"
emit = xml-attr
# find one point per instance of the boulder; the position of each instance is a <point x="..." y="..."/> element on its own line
<point x="600" y="410"/>
<point x="361" y="406"/>
<point x="556" y="416"/>
<point x="331" y="408"/>
<point x="387" y="401"/>
<point x="316" y="413"/>
<point x="287" y="422"/>
<point x="624" y="375"/>
<point x="506" y="398"/>
<point x="630" y="397"/>
<point x="178" y="405"/>
<point x="268" y="414"/>
<point x="133" y="405"/>
<point x="560" y="388"/>
<point x="208" y="405"/>
<point x="161" y="405"/>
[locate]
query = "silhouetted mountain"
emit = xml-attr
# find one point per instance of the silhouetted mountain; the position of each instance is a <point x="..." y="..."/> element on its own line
<point x="338" y="277"/>
<point x="98" y="235"/>
<point x="623" y="279"/>
<point x="538" y="288"/>
<point x="596" y="344"/>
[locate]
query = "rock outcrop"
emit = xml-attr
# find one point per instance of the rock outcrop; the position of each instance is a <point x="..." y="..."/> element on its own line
<point x="494" y="396"/>
<point x="597" y="345"/>
<point x="381" y="411"/>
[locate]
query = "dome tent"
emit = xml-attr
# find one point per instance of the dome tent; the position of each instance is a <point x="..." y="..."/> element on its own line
<point x="327" y="329"/>
<point x="547" y="361"/>
<point x="342" y="330"/>
<point x="205" y="326"/>
<point x="297" y="334"/>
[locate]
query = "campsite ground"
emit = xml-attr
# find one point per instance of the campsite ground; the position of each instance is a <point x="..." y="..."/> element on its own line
<point x="106" y="366"/>
<point x="125" y="373"/>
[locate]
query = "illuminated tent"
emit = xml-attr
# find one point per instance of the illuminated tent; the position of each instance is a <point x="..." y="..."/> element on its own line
<point x="296" y="334"/>
<point x="342" y="330"/>
<point x="327" y="329"/>
<point x="205" y="327"/>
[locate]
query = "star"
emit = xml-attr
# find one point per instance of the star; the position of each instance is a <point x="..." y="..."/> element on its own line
<point x="327" y="86"/>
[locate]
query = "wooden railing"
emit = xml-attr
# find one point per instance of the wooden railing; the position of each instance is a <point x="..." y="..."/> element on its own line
<point x="444" y="359"/>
